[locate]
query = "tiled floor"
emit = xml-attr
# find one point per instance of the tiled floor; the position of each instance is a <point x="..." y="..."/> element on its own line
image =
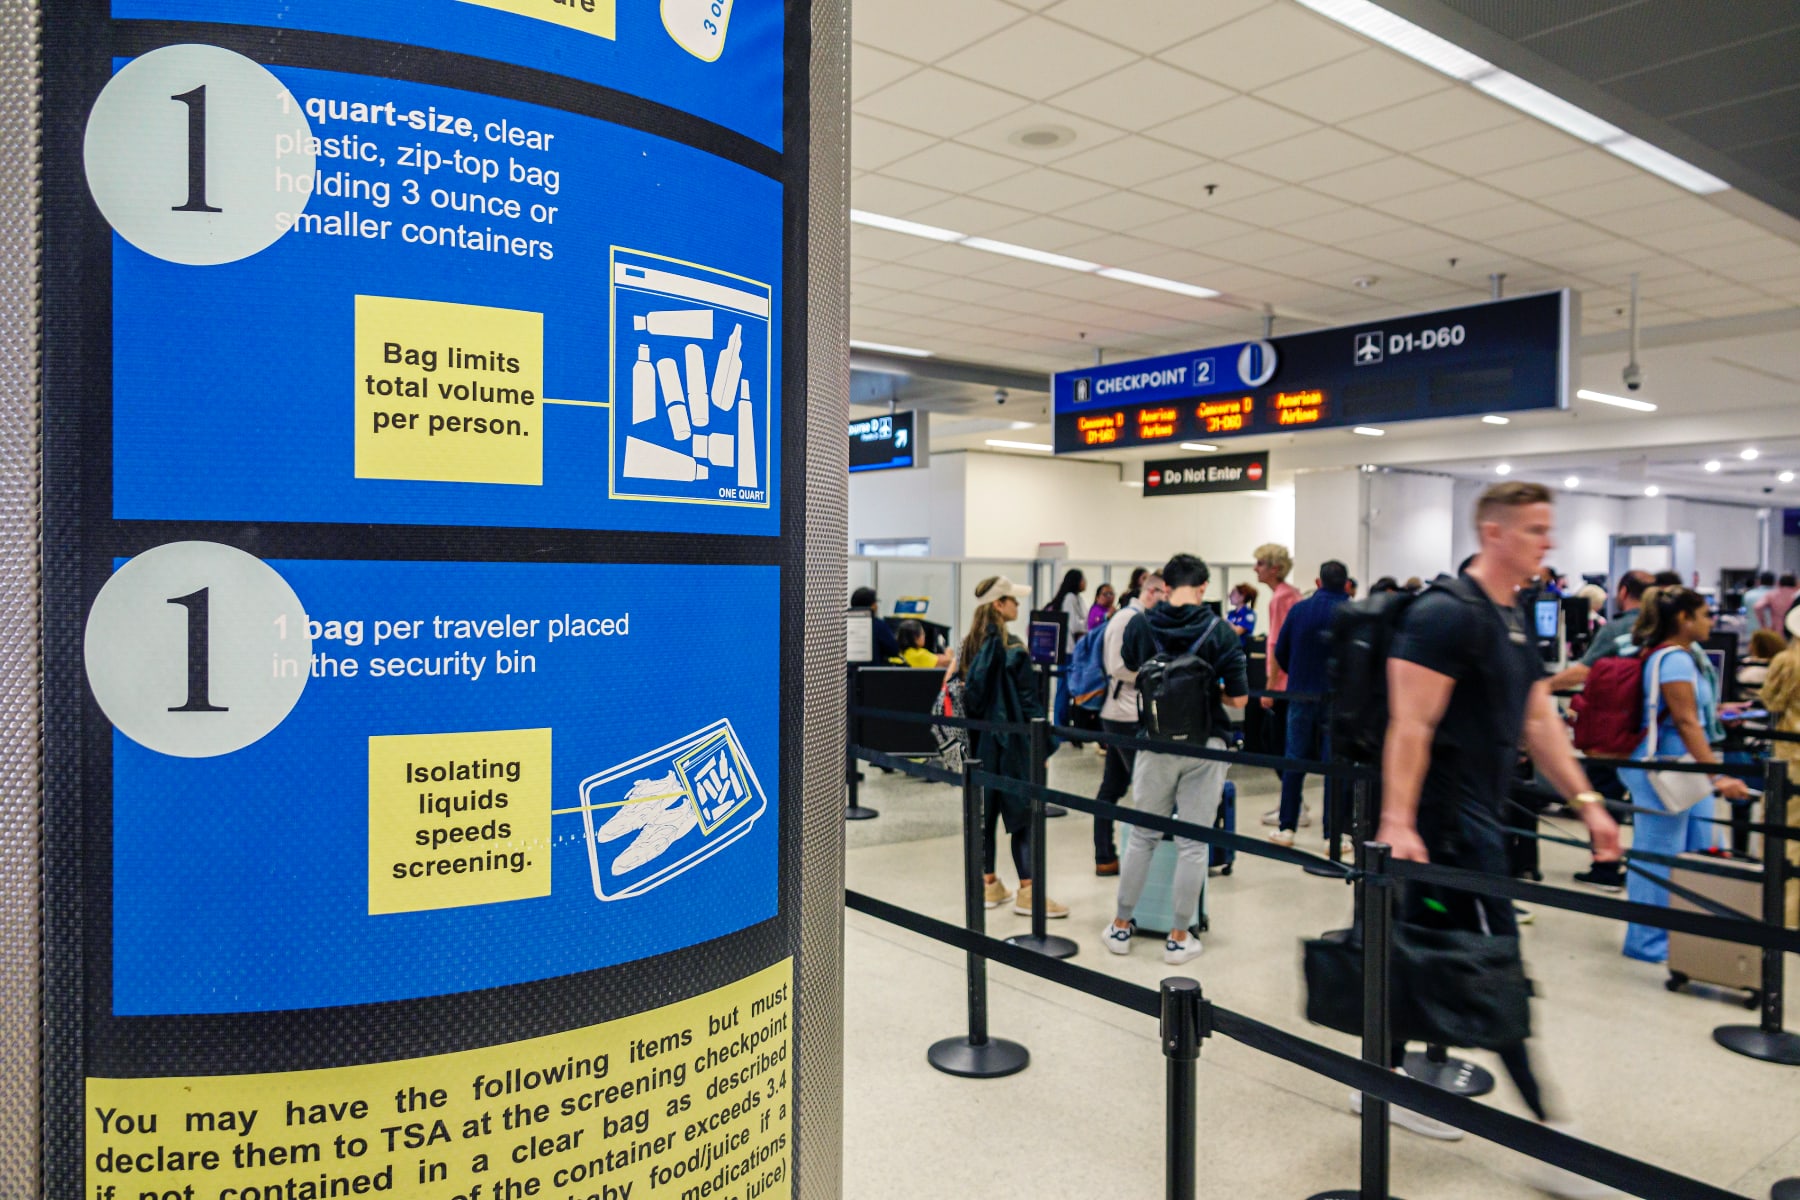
<point x="1634" y="1065"/>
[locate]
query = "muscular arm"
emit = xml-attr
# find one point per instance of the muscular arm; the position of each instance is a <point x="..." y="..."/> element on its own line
<point x="1417" y="698"/>
<point x="1547" y="741"/>
<point x="1573" y="675"/>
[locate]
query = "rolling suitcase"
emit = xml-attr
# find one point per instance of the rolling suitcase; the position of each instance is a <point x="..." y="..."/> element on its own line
<point x="1156" y="907"/>
<point x="1695" y="959"/>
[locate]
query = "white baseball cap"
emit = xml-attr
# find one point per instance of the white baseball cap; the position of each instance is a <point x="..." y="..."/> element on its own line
<point x="999" y="588"/>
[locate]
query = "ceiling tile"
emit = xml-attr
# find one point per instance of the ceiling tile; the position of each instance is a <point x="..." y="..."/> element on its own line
<point x="1271" y="43"/>
<point x="1228" y="129"/>
<point x="913" y="304"/>
<point x="872" y="69"/>
<point x="1226" y="181"/>
<point x="1321" y="152"/>
<point x="1147" y="26"/>
<point x="1322" y="264"/>
<point x="973" y="291"/>
<point x="1756" y="248"/>
<point x="966" y="214"/>
<point x="875" y="143"/>
<point x="1024" y="300"/>
<point x="1597" y="199"/>
<point x="1380" y="179"/>
<point x="1560" y="174"/>
<point x="1142" y="94"/>
<point x="1043" y="189"/>
<point x="1432" y="120"/>
<point x="947" y="258"/>
<point x="894" y="197"/>
<point x="1544" y="244"/>
<point x="901" y="278"/>
<point x="1363" y="83"/>
<point x="1513" y="217"/>
<point x="1255" y="248"/>
<point x="1337" y="227"/>
<point x="879" y="245"/>
<point x="926" y="30"/>
<point x="1048" y="233"/>
<point x="998" y="135"/>
<point x="1445" y="200"/>
<point x="1037" y="58"/>
<point x="1170" y="263"/>
<point x="1523" y="141"/>
<point x="937" y="102"/>
<point x="1279" y="208"/>
<point x="1602" y="254"/>
<point x="1669" y="214"/>
<point x="1129" y="162"/>
<point x="959" y="168"/>
<point x="1684" y="238"/>
<point x="1021" y="274"/>
<point x="1120" y="211"/>
<point x="1194" y="230"/>
<point x="1423" y="249"/>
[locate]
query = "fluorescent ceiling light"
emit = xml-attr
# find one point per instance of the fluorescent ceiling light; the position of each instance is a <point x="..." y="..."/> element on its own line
<point x="1652" y="490"/>
<point x="884" y="348"/>
<point x="1785" y="477"/>
<point x="1156" y="281"/>
<point x="1400" y="34"/>
<point x="1572" y="482"/>
<point x="1503" y="469"/>
<point x="1003" y="444"/>
<point x="1490" y="419"/>
<point x="1749" y="454"/>
<point x="1658" y="161"/>
<point x="1617" y="401"/>
<point x="1711" y="465"/>
<point x="1020" y="424"/>
<point x="1029" y="254"/>
<point x="1551" y="109"/>
<point x="1367" y="431"/>
<point x="1203" y="447"/>
<point x="1132" y="482"/>
<point x="910" y="228"/>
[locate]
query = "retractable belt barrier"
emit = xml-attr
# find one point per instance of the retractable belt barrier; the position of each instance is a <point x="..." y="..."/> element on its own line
<point x="1188" y="1018"/>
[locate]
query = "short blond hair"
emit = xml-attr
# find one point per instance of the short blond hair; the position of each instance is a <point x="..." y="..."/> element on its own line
<point x="1274" y="554"/>
<point x="1513" y="494"/>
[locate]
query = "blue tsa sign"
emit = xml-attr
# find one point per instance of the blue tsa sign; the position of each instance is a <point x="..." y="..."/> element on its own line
<point x="1170" y="377"/>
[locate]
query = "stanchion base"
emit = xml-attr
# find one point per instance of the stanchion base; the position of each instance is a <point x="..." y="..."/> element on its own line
<point x="1054" y="810"/>
<point x="1347" y="1194"/>
<point x="1049" y="945"/>
<point x="1755" y="1042"/>
<point x="1454" y="1075"/>
<point x="1786" y="1189"/>
<point x="857" y="812"/>
<point x="990" y="1060"/>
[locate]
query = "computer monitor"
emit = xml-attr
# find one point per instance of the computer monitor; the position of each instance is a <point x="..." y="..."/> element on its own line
<point x="1546" y="618"/>
<point x="1721" y="649"/>
<point x="1046" y="636"/>
<point x="911" y="606"/>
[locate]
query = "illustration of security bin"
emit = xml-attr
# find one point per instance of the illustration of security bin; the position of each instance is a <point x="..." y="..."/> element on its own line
<point x="662" y="813"/>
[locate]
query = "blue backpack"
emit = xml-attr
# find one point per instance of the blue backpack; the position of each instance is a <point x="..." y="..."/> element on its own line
<point x="1085" y="676"/>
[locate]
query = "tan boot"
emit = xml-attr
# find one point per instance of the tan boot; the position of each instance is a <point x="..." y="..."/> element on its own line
<point x="995" y="893"/>
<point x="1022" y="903"/>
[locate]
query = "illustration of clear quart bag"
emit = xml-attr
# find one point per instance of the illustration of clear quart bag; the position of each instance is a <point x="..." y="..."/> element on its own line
<point x="657" y="815"/>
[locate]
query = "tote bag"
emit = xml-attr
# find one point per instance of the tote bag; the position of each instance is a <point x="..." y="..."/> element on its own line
<point x="1678" y="790"/>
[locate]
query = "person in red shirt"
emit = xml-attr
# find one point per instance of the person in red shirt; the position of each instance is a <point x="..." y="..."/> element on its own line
<point x="1273" y="563"/>
<point x="1772" y="610"/>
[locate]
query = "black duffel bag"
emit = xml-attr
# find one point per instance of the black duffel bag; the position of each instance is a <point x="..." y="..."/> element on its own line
<point x="1451" y="987"/>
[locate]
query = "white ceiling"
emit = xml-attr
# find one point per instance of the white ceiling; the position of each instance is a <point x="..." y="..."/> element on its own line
<point x="1329" y="156"/>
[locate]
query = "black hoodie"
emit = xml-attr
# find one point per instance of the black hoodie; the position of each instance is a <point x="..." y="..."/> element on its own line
<point x="1172" y="630"/>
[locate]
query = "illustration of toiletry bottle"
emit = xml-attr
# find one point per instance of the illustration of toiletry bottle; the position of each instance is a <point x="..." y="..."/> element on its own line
<point x="643" y="387"/>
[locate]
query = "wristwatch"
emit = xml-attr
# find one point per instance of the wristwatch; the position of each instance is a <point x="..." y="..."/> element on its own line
<point x="1582" y="799"/>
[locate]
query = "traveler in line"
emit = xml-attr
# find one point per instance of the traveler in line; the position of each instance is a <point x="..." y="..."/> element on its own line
<point x="1273" y="563"/>
<point x="1384" y="585"/>
<point x="1304" y="652"/>
<point x="1119" y="714"/>
<point x="1243" y="613"/>
<point x="1765" y="645"/>
<point x="887" y="647"/>
<point x="1103" y="608"/>
<point x="1000" y="684"/>
<point x="1765" y="583"/>
<point x="1133" y="586"/>
<point x="1681" y="717"/>
<point x="1166" y="784"/>
<point x="911" y="636"/>
<point x="1466" y="689"/>
<point x="1772" y="609"/>
<point x="1068" y="602"/>
<point x="1781" y="696"/>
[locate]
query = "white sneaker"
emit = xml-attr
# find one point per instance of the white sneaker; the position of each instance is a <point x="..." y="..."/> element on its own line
<point x="1119" y="940"/>
<point x="1273" y="816"/>
<point x="1186" y="950"/>
<point x="1555" y="1181"/>
<point x="1406" y="1118"/>
<point x="1282" y="837"/>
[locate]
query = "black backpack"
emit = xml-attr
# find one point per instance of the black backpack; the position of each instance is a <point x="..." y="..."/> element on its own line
<point x="1176" y="693"/>
<point x="1362" y="634"/>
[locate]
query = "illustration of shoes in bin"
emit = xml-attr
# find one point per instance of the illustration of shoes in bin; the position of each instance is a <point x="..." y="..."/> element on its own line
<point x="660" y="814"/>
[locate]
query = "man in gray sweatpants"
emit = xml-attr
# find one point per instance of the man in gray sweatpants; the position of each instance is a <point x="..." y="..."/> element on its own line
<point x="1173" y="784"/>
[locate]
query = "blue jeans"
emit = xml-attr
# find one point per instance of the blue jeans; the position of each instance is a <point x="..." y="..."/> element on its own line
<point x="1308" y="736"/>
<point x="1668" y="834"/>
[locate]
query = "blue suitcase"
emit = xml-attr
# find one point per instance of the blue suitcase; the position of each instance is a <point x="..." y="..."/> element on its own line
<point x="1156" y="907"/>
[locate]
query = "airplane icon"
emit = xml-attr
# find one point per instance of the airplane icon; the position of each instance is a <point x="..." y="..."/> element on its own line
<point x="1368" y="348"/>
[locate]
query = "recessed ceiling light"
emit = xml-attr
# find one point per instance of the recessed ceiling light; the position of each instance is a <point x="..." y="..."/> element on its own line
<point x="1652" y="490"/>
<point x="1572" y="482"/>
<point x="1203" y="447"/>
<point x="1503" y="469"/>
<point x="1369" y="431"/>
<point x="1041" y="137"/>
<point x="1003" y="444"/>
<point x="1491" y="419"/>
<point x="1749" y="454"/>
<point x="1365" y="282"/>
<point x="1711" y="465"/>
<point x="1785" y="477"/>
<point x="1617" y="401"/>
<point x="884" y="348"/>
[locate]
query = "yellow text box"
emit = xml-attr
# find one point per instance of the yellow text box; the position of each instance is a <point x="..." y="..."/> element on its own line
<point x="458" y="818"/>
<point x="448" y="392"/>
<point x="589" y="16"/>
<point x="695" y="1098"/>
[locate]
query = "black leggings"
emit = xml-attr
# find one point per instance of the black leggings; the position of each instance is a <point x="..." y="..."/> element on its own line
<point x="1021" y="840"/>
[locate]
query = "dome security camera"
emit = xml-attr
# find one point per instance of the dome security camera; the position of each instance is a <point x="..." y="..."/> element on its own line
<point x="1633" y="375"/>
<point x="999" y="395"/>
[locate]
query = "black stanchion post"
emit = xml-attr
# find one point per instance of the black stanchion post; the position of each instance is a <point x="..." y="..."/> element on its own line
<point x="852" y="774"/>
<point x="1786" y="1189"/>
<point x="1038" y="939"/>
<point x="1377" y="911"/>
<point x="977" y="1056"/>
<point x="1768" y="1040"/>
<point x="1186" y="1022"/>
